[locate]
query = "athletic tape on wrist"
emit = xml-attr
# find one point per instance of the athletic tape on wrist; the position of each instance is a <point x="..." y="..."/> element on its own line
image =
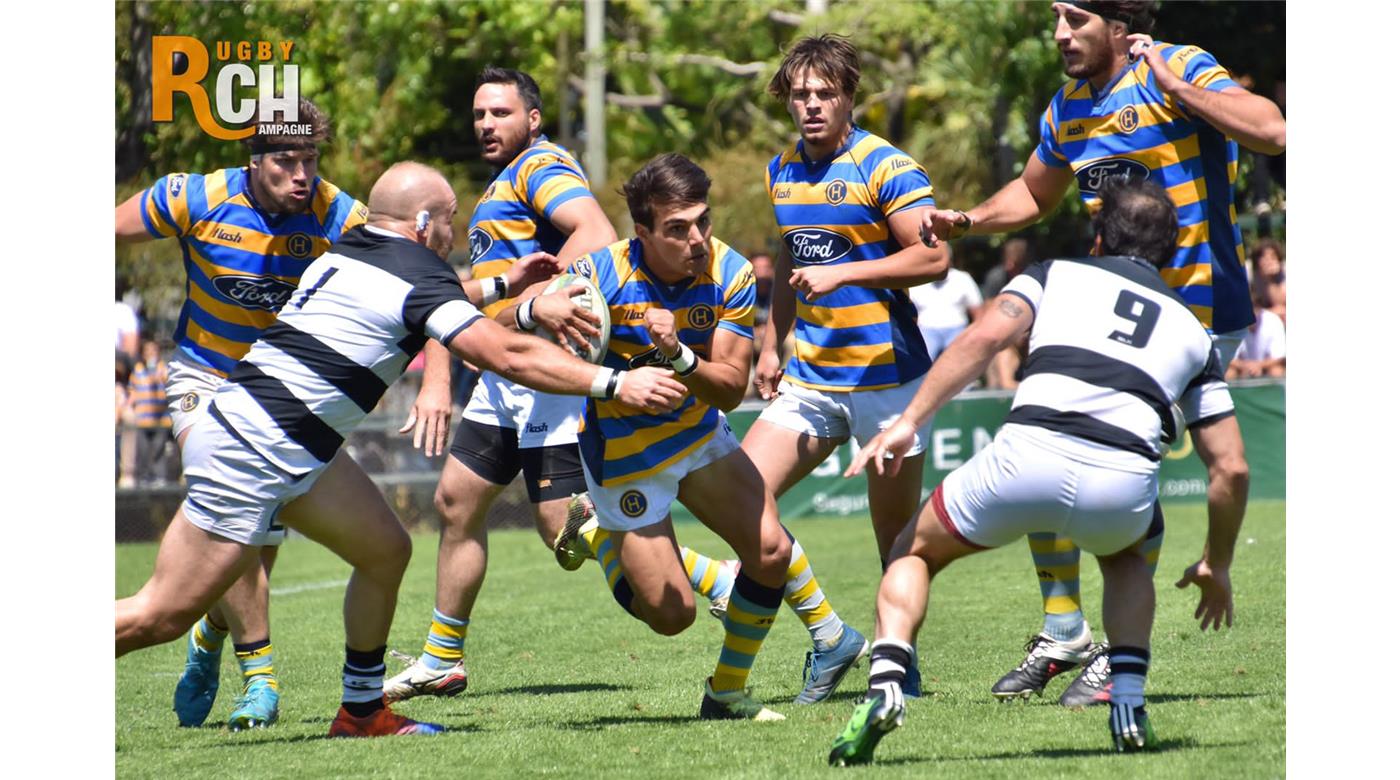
<point x="685" y="363"/>
<point x="493" y="289"/>
<point x="523" y="320"/>
<point x="606" y="383"/>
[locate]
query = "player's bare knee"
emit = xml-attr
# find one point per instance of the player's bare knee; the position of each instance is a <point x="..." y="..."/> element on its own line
<point x="775" y="554"/>
<point x="672" y="617"/>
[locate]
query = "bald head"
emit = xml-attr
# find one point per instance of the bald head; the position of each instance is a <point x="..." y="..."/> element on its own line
<point x="406" y="189"/>
<point x="403" y="191"/>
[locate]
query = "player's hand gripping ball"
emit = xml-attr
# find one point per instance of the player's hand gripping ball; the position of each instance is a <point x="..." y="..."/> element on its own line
<point x="591" y="299"/>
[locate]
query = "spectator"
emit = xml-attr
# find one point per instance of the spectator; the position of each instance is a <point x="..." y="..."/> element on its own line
<point x="150" y="415"/>
<point x="128" y="326"/>
<point x="1267" y="278"/>
<point x="1262" y="353"/>
<point x="946" y="307"/>
<point x="123" y="409"/>
<point x="1015" y="257"/>
<point x="762" y="264"/>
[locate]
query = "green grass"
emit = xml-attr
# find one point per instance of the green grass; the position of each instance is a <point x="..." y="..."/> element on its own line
<point x="564" y="684"/>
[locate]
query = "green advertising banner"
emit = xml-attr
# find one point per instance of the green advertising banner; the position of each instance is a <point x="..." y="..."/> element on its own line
<point x="970" y="421"/>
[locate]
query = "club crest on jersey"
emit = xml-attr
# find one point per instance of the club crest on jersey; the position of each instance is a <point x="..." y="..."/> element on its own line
<point x="299" y="245"/>
<point x="700" y="317"/>
<point x="633" y="503"/>
<point x="480" y="242"/>
<point x="1092" y="177"/>
<point x="652" y="357"/>
<point x="174" y="184"/>
<point x="836" y="192"/>
<point x="584" y="267"/>
<point x="817" y="246"/>
<point x="189" y="402"/>
<point x="1128" y="119"/>
<point x="254" y="292"/>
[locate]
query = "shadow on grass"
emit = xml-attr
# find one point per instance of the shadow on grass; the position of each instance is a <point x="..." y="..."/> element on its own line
<point x="594" y="724"/>
<point x="550" y="690"/>
<point x="1166" y="746"/>
<point x="262" y="737"/>
<point x="1205" y="697"/>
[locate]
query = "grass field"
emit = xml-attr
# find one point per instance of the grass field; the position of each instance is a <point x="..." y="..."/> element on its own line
<point x="563" y="683"/>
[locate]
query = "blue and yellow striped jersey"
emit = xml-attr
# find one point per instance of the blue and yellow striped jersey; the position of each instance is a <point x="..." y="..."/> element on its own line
<point x="512" y="218"/>
<point x="836" y="211"/>
<point x="148" y="396"/>
<point x="619" y="443"/>
<point x="241" y="263"/>
<point x="1134" y="129"/>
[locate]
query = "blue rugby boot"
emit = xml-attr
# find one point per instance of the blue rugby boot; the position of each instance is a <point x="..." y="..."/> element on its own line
<point x="256" y="708"/>
<point x="825" y="669"/>
<point x="198" y="685"/>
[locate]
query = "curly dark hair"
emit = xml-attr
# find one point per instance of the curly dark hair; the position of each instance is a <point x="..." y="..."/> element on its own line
<point x="831" y="56"/>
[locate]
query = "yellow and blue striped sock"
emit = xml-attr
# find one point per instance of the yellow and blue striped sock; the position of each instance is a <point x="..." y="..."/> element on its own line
<point x="1057" y="566"/>
<point x="752" y="609"/>
<point x="805" y="596"/>
<point x="256" y="661"/>
<point x="605" y="553"/>
<point x="207" y="636"/>
<point x="709" y="577"/>
<point x="446" y="637"/>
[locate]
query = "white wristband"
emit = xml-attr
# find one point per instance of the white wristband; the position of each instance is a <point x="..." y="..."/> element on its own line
<point x="607" y="383"/>
<point x="685" y="363"/>
<point x="493" y="289"/>
<point x="523" y="320"/>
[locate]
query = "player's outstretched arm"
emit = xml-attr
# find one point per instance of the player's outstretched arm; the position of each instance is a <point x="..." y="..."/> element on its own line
<point x="914" y="264"/>
<point x="966" y="358"/>
<point x="1252" y="120"/>
<point x="540" y="365"/>
<point x="1023" y="201"/>
<point x="130" y="227"/>
<point x="1221" y="448"/>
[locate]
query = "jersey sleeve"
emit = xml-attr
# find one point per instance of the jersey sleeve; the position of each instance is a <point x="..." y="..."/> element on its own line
<point x="437" y="307"/>
<point x="1197" y="67"/>
<point x="1049" y="150"/>
<point x="1029" y="285"/>
<point x="166" y="205"/>
<point x="598" y="267"/>
<point x="1207" y="396"/>
<point x="739" y="297"/>
<point x="898" y="183"/>
<point x="345" y="213"/>
<point x="549" y="181"/>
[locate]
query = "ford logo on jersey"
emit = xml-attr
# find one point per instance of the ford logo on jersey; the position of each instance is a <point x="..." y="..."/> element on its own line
<point x="817" y="246"/>
<point x="1092" y="177"/>
<point x="254" y="292"/>
<point x="480" y="242"/>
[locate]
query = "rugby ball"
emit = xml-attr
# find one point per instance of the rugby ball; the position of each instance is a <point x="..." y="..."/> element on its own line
<point x="591" y="299"/>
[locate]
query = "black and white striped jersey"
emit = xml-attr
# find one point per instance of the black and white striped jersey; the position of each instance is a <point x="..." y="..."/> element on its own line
<point x="1111" y="349"/>
<point x="363" y="311"/>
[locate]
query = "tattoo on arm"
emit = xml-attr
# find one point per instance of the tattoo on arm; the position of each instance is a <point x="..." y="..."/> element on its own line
<point x="1010" y="307"/>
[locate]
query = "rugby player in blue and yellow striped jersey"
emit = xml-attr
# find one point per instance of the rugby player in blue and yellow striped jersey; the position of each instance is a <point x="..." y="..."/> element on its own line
<point x="1143" y="109"/>
<point x="848" y="205"/>
<point x="679" y="297"/>
<point x="246" y="234"/>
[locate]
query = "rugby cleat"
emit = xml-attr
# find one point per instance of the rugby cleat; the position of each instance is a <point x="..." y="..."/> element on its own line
<point x="734" y="705"/>
<point x="419" y="680"/>
<point x="881" y="712"/>
<point x="824" y="669"/>
<point x="198" y="685"/>
<point x="1130" y="729"/>
<point x="570" y="548"/>
<point x="913" y="681"/>
<point x="383" y="723"/>
<point x="719" y="605"/>
<point x="1093" y="684"/>
<point x="256" y="708"/>
<point x="1045" y="659"/>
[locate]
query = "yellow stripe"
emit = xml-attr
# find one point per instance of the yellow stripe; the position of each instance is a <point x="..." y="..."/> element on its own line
<point x="811" y="617"/>
<point x="442" y="629"/>
<point x="553" y="187"/>
<point x="906" y="199"/>
<point x="741" y="645"/>
<point x="873" y="313"/>
<point x="1205" y="314"/>
<point x="1068" y="573"/>
<point x="179" y="207"/>
<point x="728" y="678"/>
<point x="157" y="221"/>
<point x="711" y="574"/>
<point x="805" y="592"/>
<point x="838" y="388"/>
<point x="228" y="312"/>
<point x="256" y="242"/>
<point x="1200" y="273"/>
<point x="322" y="199"/>
<point x="216" y="187"/>
<point x="1193" y="235"/>
<point x="1061" y="605"/>
<point x="796" y="568"/>
<point x="1057" y="544"/>
<point x="866" y="233"/>
<point x="509" y="229"/>
<point x="230" y="349"/>
<point x="643" y="438"/>
<point x="841" y="357"/>
<point x="865" y="146"/>
<point x="662" y="466"/>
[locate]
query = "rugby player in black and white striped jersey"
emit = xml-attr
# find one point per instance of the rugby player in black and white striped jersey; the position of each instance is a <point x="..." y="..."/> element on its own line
<point x="1112" y="347"/>
<point x="363" y="310"/>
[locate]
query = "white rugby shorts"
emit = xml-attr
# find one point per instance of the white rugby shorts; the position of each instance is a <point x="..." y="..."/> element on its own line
<point x="1030" y="480"/>
<point x="188" y="390"/>
<point x="538" y="419"/>
<point x="642" y="502"/>
<point x="233" y="491"/>
<point x="842" y="415"/>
